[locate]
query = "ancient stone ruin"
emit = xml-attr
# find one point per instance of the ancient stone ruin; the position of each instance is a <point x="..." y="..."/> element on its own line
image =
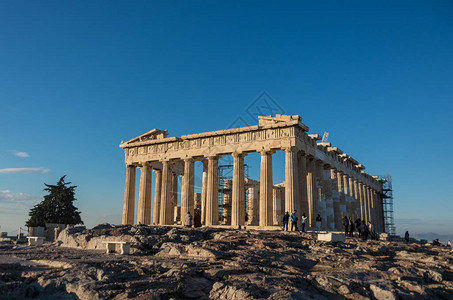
<point x="319" y="178"/>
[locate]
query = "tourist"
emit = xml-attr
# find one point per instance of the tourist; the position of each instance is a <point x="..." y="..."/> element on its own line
<point x="406" y="236"/>
<point x="351" y="227"/>
<point x="346" y="225"/>
<point x="436" y="242"/>
<point x="293" y="218"/>
<point x="188" y="220"/>
<point x="285" y="221"/>
<point x="357" y="225"/>
<point x="449" y="244"/>
<point x="363" y="231"/>
<point x="371" y="231"/>
<point x="318" y="222"/>
<point x="304" y="219"/>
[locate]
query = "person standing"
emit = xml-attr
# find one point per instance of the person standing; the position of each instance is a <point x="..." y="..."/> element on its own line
<point x="304" y="219"/>
<point x="293" y="218"/>
<point x="188" y="220"/>
<point x="370" y="228"/>
<point x="351" y="227"/>
<point x="449" y="243"/>
<point x="285" y="221"/>
<point x="363" y="231"/>
<point x="406" y="236"/>
<point x="358" y="222"/>
<point x="318" y="222"/>
<point x="346" y="225"/>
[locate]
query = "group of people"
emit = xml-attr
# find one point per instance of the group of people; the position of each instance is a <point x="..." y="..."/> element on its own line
<point x="294" y="220"/>
<point x="364" y="230"/>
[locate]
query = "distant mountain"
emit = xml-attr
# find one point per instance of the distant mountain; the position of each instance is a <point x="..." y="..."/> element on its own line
<point x="430" y="236"/>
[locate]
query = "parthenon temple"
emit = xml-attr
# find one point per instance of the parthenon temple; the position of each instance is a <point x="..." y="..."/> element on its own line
<point x="319" y="179"/>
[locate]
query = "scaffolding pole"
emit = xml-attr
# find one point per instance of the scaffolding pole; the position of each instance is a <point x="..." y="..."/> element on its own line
<point x="387" y="201"/>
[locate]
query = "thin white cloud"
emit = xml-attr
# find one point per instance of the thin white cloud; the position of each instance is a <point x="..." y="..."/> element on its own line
<point x="16" y="203"/>
<point x="24" y="171"/>
<point x="21" y="154"/>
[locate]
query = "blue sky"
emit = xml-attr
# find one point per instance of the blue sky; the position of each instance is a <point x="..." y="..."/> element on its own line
<point x="76" y="78"/>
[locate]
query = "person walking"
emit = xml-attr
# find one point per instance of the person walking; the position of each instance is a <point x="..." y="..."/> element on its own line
<point x="357" y="225"/>
<point x="406" y="236"/>
<point x="363" y="231"/>
<point x="293" y="218"/>
<point x="318" y="223"/>
<point x="351" y="227"/>
<point x="188" y="220"/>
<point x="285" y="221"/>
<point x="346" y="225"/>
<point x="304" y="219"/>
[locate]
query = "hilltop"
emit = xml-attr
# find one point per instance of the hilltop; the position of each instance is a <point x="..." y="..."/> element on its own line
<point x="207" y="263"/>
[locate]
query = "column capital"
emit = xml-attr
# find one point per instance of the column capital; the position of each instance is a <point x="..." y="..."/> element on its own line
<point x="290" y="149"/>
<point x="188" y="159"/>
<point x="237" y="154"/>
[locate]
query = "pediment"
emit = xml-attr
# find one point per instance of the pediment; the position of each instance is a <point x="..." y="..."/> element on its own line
<point x="154" y="134"/>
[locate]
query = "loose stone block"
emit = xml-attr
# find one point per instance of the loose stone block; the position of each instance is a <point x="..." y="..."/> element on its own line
<point x="331" y="237"/>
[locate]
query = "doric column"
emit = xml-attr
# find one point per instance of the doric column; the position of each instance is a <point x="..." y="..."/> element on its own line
<point x="227" y="202"/>
<point x="347" y="200"/>
<point x="291" y="181"/>
<point x="365" y="202"/>
<point x="357" y="199"/>
<point x="277" y="205"/>
<point x="187" y="189"/>
<point x="204" y="188"/>
<point x="352" y="212"/>
<point x="341" y="190"/>
<point x="265" y="216"/>
<point x="336" y="199"/>
<point x="312" y="192"/>
<point x="212" y="190"/>
<point x="370" y="204"/>
<point x="166" y="206"/>
<point x="321" y="203"/>
<point x="238" y="192"/>
<point x="327" y="198"/>
<point x="362" y="205"/>
<point x="157" y="197"/>
<point x="174" y="197"/>
<point x="253" y="204"/>
<point x="302" y="182"/>
<point x="129" y="195"/>
<point x="144" y="196"/>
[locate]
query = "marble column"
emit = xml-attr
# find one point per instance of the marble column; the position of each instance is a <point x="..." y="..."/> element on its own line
<point x="187" y="189"/>
<point x="347" y="199"/>
<point x="204" y="187"/>
<point x="365" y="202"/>
<point x="277" y="205"/>
<point x="174" y="197"/>
<point x="227" y="205"/>
<point x="303" y="206"/>
<point x="327" y="198"/>
<point x="166" y="207"/>
<point x="253" y="205"/>
<point x="336" y="199"/>
<point x="157" y="197"/>
<point x="321" y="203"/>
<point x="129" y="195"/>
<point x="291" y="181"/>
<point x="341" y="190"/>
<point x="144" y="196"/>
<point x="212" y="192"/>
<point x="362" y="204"/>
<point x="238" y="194"/>
<point x="357" y="199"/>
<point x="370" y="205"/>
<point x="312" y="192"/>
<point x="266" y="184"/>
<point x="352" y="211"/>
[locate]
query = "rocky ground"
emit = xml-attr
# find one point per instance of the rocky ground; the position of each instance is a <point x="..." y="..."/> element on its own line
<point x="178" y="263"/>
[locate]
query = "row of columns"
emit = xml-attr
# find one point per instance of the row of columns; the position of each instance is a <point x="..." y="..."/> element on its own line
<point x="311" y="186"/>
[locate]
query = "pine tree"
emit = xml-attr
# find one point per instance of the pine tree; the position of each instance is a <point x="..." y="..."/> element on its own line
<point x="57" y="206"/>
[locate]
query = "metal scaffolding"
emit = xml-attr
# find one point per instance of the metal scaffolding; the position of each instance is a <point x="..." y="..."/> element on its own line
<point x="226" y="173"/>
<point x="387" y="201"/>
